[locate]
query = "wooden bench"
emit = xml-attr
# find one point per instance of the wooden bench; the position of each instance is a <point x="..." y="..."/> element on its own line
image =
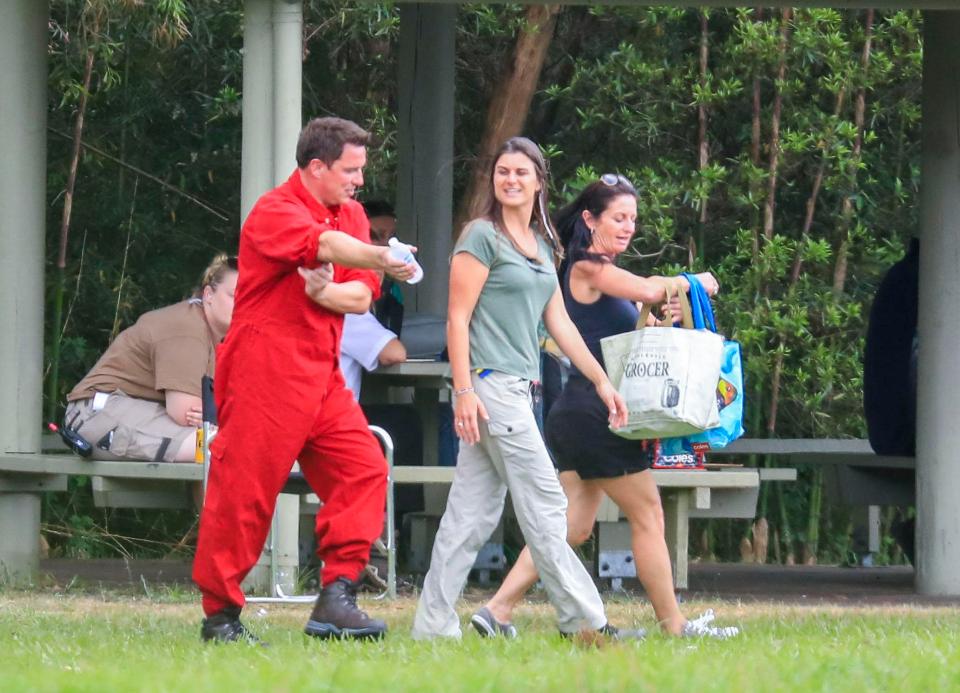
<point x="686" y="494"/>
<point x="835" y="451"/>
<point x="856" y="476"/>
<point x="24" y="477"/>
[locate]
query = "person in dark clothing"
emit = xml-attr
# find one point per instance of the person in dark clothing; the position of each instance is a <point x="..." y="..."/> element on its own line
<point x="889" y="359"/>
<point x="890" y="375"/>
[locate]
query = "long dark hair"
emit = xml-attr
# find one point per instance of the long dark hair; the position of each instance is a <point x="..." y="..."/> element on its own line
<point x="492" y="209"/>
<point x="573" y="231"/>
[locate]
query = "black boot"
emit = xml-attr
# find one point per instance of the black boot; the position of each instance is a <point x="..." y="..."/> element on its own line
<point x="225" y="626"/>
<point x="336" y="615"/>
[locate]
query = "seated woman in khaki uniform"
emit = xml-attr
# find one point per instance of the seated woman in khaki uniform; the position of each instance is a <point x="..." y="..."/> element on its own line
<point x="141" y="401"/>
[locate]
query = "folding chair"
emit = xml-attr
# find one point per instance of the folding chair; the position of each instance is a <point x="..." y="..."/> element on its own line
<point x="297" y="484"/>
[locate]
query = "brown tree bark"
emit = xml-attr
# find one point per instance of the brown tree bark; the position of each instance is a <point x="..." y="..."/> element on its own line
<point x="755" y="133"/>
<point x="811" y="205"/>
<point x="510" y="102"/>
<point x="53" y="384"/>
<point x="846" y="212"/>
<point x="703" y="147"/>
<point x="74" y="162"/>
<point x="770" y="206"/>
<point x="810" y="546"/>
<point x="774" y="160"/>
<point x="768" y="224"/>
<point x="760" y="528"/>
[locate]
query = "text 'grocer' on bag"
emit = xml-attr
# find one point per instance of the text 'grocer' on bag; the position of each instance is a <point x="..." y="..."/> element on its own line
<point x="667" y="377"/>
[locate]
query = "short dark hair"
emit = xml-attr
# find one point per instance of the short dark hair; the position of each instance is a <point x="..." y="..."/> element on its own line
<point x="324" y="139"/>
<point x="378" y="208"/>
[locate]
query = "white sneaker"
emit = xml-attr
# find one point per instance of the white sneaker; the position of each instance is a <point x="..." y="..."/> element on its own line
<point x="700" y="628"/>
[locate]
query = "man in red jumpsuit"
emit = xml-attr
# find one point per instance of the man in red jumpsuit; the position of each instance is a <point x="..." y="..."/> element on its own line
<point x="281" y="396"/>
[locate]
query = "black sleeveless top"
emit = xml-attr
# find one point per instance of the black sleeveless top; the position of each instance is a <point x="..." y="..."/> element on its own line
<point x="577" y="430"/>
<point x="604" y="317"/>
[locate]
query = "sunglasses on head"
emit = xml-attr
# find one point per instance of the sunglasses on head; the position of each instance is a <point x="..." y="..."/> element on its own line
<point x="614" y="179"/>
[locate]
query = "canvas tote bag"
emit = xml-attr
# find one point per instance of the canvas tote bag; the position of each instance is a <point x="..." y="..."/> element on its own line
<point x="667" y="377"/>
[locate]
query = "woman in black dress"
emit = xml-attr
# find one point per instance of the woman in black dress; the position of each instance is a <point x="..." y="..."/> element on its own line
<point x="602" y="299"/>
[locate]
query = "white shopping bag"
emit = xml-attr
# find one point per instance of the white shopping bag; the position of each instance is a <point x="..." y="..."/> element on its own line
<point x="668" y="378"/>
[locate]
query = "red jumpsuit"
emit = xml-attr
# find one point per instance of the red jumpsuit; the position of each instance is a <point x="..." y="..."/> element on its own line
<point x="280" y="398"/>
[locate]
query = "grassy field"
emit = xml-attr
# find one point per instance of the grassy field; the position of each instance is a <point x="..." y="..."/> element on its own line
<point x="118" y="642"/>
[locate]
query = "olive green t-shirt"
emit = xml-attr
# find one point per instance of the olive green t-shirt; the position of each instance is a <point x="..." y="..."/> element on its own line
<point x="503" y="328"/>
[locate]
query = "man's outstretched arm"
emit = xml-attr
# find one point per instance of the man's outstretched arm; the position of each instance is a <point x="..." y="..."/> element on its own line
<point x="343" y="249"/>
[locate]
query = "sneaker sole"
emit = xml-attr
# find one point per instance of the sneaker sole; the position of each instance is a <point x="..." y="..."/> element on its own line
<point x="482" y="627"/>
<point x="325" y="631"/>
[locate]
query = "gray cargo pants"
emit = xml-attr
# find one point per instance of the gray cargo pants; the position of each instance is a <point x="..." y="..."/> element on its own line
<point x="510" y="455"/>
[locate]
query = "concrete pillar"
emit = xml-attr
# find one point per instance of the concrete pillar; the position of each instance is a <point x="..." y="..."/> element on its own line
<point x="287" y="121"/>
<point x="425" y="145"/>
<point x="938" y="484"/>
<point x="272" y="88"/>
<point x="287" y="85"/>
<point x="256" y="170"/>
<point x="19" y="537"/>
<point x="23" y="184"/>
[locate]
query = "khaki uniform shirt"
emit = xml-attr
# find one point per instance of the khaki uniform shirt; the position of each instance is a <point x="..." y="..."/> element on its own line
<point x="170" y="348"/>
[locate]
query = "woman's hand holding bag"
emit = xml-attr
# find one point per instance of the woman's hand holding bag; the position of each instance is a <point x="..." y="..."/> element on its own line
<point x="666" y="376"/>
<point x="729" y="393"/>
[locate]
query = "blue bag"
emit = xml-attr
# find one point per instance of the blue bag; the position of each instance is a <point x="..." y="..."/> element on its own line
<point x="729" y="389"/>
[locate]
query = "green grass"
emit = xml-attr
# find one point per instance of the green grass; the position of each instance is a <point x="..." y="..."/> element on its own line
<point x="114" y="642"/>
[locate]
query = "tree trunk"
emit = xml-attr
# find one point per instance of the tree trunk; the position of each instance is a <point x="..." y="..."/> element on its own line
<point x="755" y="152"/>
<point x="511" y="101"/>
<point x="774" y="154"/>
<point x="846" y="212"/>
<point x="811" y="205"/>
<point x="815" y="504"/>
<point x="53" y="390"/>
<point x="703" y="149"/>
<point x="812" y="544"/>
<point x="768" y="226"/>
<point x="761" y="539"/>
<point x="786" y="533"/>
<point x="123" y="266"/>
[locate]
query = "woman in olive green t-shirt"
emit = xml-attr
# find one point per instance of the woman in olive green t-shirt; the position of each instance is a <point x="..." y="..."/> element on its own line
<point x="503" y="282"/>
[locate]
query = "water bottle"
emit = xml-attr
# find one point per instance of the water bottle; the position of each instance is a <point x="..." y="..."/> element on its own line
<point x="401" y="251"/>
